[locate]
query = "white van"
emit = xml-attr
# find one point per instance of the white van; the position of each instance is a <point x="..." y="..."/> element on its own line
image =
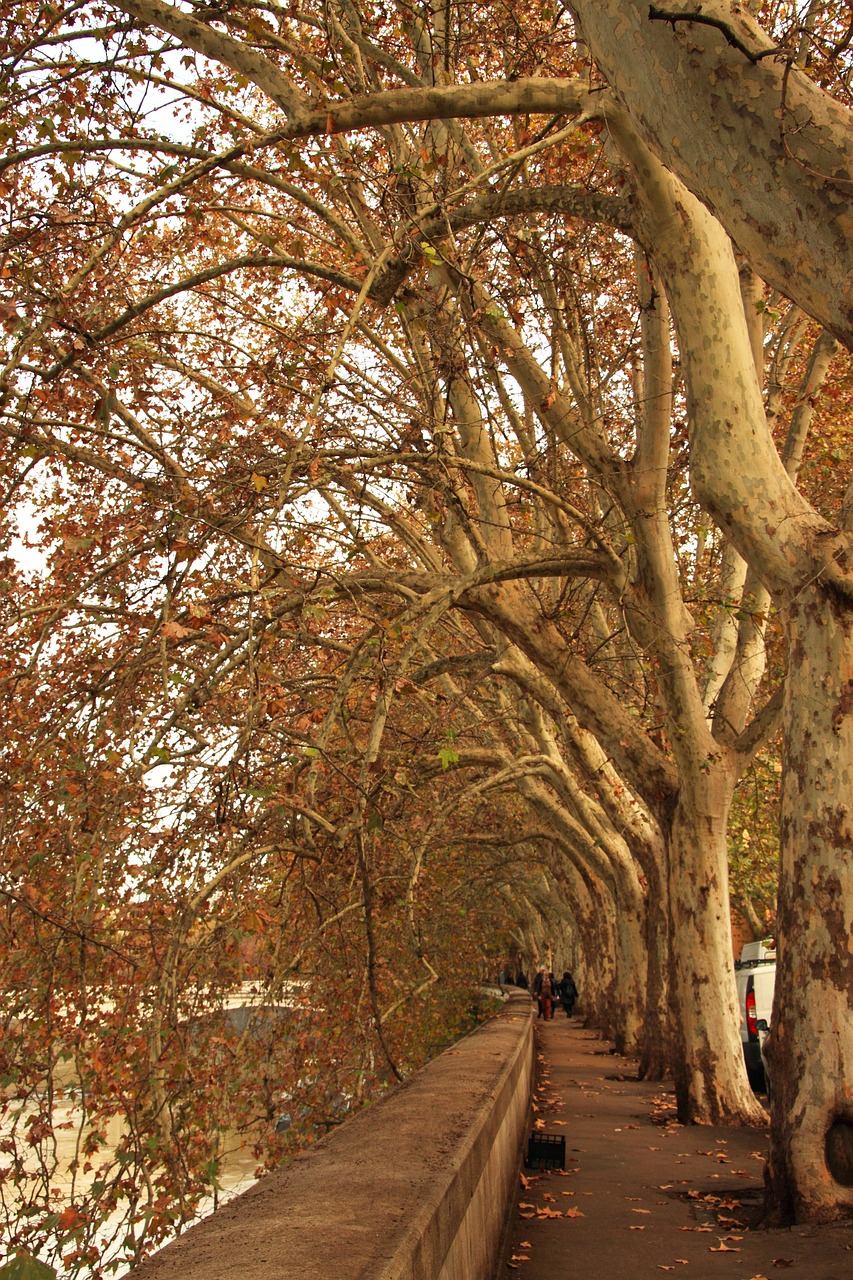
<point x="755" y="973"/>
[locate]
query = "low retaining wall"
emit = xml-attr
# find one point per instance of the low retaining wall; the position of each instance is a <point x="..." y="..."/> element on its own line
<point x="417" y="1187"/>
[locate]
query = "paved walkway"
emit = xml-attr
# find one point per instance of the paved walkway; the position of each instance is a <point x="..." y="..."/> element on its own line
<point x="642" y="1194"/>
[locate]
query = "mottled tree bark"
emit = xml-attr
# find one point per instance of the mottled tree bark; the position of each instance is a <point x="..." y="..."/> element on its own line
<point x="763" y="146"/>
<point x="807" y="565"/>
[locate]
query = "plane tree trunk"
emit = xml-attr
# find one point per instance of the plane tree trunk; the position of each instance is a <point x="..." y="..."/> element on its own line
<point x="710" y="1081"/>
<point x="691" y="801"/>
<point x="810" y="1049"/>
<point x="807" y="565"/>
<point x="747" y="131"/>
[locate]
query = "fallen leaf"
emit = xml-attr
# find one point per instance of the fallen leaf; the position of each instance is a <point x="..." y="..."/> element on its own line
<point x="722" y="1247"/>
<point x="525" y="1244"/>
<point x="574" y="1212"/>
<point x="520" y="1257"/>
<point x="641" y="1210"/>
<point x="638" y="1227"/>
<point x="523" y="1204"/>
<point x="661" y="1267"/>
<point x="783" y="1262"/>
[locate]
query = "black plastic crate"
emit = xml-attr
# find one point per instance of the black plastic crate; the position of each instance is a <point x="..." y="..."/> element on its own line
<point x="546" y="1151"/>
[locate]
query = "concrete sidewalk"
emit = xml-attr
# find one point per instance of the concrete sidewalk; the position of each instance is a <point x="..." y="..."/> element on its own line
<point x="642" y="1194"/>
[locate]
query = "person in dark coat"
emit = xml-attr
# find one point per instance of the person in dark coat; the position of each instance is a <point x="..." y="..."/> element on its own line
<point x="568" y="993"/>
<point x="521" y="980"/>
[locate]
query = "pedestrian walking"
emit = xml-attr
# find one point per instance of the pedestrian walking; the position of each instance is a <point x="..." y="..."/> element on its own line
<point x="568" y="993"/>
<point x="543" y="987"/>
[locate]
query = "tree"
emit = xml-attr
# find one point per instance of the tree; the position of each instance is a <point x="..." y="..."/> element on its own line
<point x="165" y="353"/>
<point x="739" y="117"/>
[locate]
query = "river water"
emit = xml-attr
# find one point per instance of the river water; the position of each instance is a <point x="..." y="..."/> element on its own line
<point x="237" y="1171"/>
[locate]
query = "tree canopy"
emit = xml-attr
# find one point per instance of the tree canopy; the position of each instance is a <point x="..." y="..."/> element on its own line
<point x="426" y="461"/>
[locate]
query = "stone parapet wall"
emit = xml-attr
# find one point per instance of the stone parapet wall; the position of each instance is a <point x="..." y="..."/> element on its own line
<point x="416" y="1187"/>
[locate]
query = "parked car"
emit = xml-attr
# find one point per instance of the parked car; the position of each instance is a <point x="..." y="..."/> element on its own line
<point x="755" y="973"/>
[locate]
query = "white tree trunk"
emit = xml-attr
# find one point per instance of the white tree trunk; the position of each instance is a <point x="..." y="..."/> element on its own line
<point x="766" y="149"/>
<point x="710" y="1079"/>
<point x="806" y="563"/>
<point x="811" y="1046"/>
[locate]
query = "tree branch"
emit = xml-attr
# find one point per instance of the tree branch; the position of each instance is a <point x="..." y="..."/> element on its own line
<point x="705" y="20"/>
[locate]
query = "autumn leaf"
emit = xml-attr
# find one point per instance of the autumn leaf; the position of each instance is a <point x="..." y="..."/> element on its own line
<point x="175" y="631"/>
<point x="25" y="1267"/>
<point x="70" y="1217"/>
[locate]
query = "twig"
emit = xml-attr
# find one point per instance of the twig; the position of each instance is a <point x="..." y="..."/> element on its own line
<point x="703" y="19"/>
